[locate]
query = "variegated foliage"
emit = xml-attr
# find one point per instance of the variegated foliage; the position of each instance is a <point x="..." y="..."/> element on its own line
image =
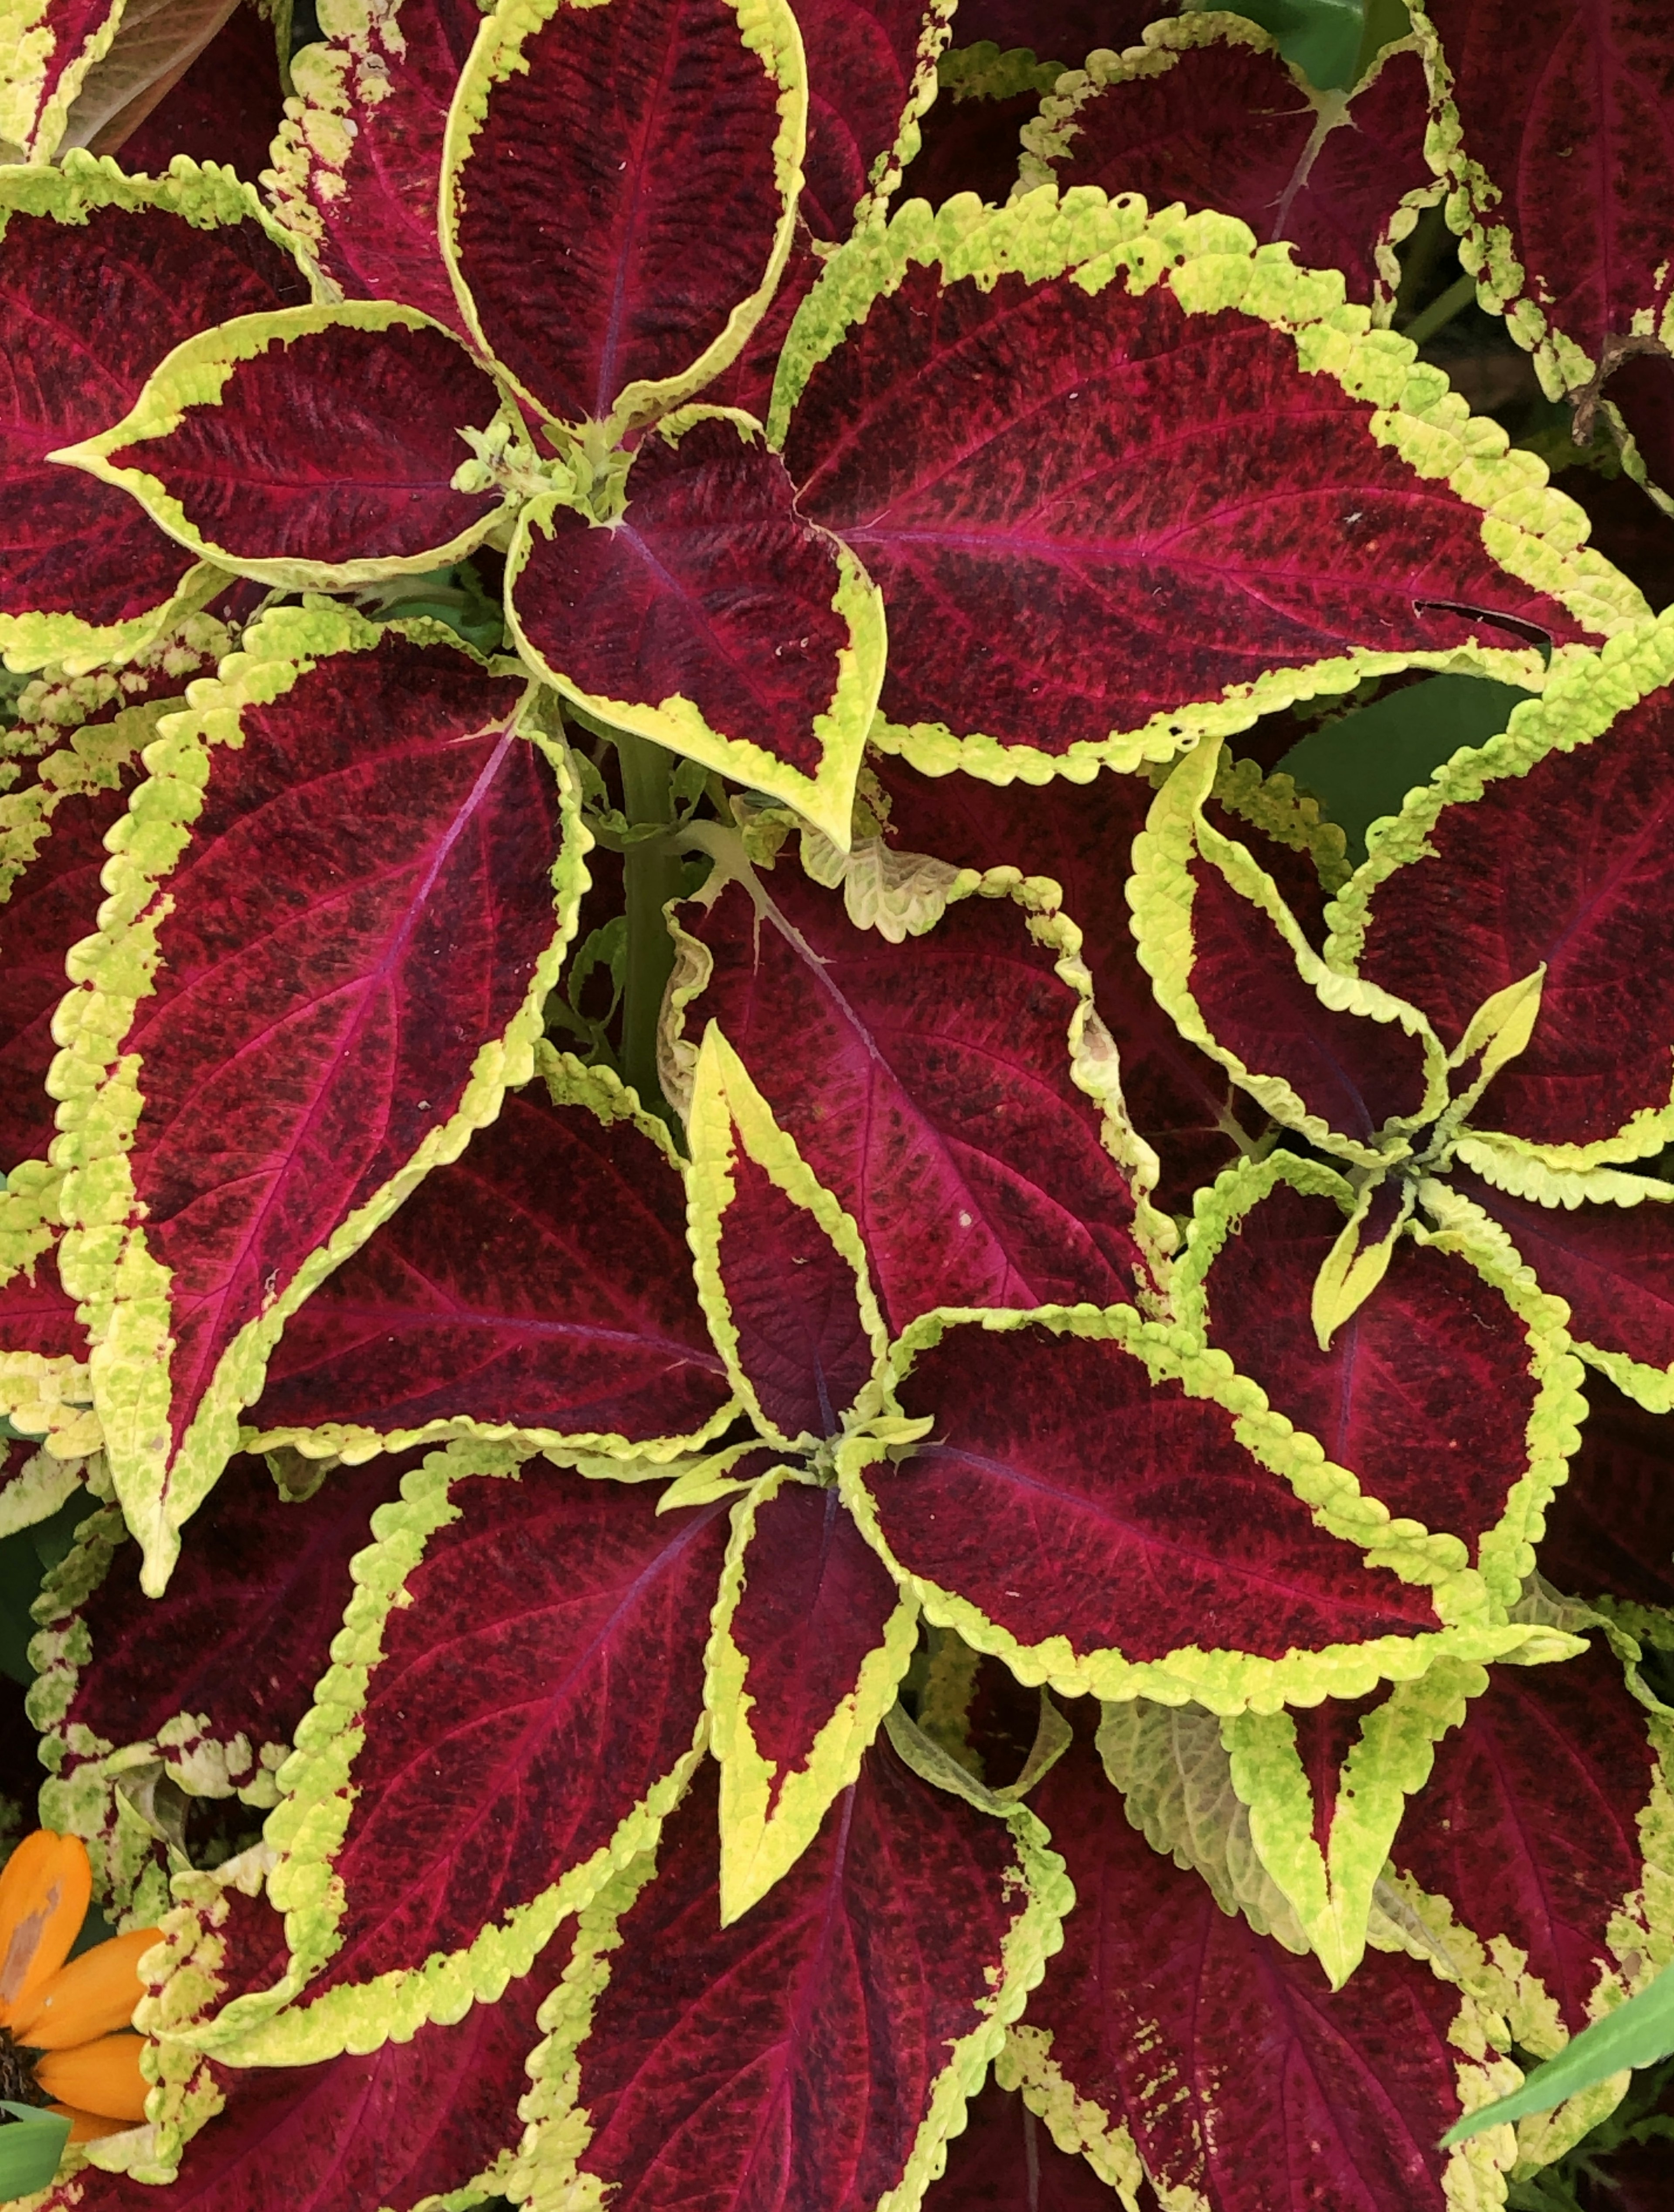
<point x="848" y="1439"/>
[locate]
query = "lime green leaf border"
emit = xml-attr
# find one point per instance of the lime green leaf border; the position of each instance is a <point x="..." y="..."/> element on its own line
<point x="103" y="1260"/>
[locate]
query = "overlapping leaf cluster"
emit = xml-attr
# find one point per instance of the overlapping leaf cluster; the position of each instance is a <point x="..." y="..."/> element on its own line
<point x="810" y="1367"/>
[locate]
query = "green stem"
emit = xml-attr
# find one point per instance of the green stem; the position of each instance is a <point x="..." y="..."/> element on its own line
<point x="652" y="874"/>
<point x="1423" y="326"/>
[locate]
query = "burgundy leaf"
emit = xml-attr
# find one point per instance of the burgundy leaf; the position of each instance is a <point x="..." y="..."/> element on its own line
<point x="863" y="57"/>
<point x="1425" y="1393"/>
<point x="712" y="588"/>
<point x="816" y="1598"/>
<point x="1082" y="835"/>
<point x="1353" y="1073"/>
<point x="226" y="106"/>
<point x="586" y="223"/>
<point x="1241" y="2073"/>
<point x="90" y="309"/>
<point x="1610" y="1264"/>
<point x="1641" y="390"/>
<point x="1566" y="104"/>
<point x="1064" y="1494"/>
<point x="244" y="1626"/>
<point x="784" y="2064"/>
<point x="359" y="907"/>
<point x="1228" y="127"/>
<point x="541" y="1282"/>
<point x="1529" y="1823"/>
<point x="1006" y="2160"/>
<point x="926" y="1083"/>
<point x="399" y="2127"/>
<point x="365" y="196"/>
<point x="1609" y="1531"/>
<point x="748" y="382"/>
<point x="1627" y="528"/>
<point x="1278" y="533"/>
<point x="1566" y="866"/>
<point x="365" y="471"/>
<point x="547" y="1671"/>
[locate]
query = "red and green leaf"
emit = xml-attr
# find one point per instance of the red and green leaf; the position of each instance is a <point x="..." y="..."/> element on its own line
<point x="1609" y="1531"/>
<point x="588" y="147"/>
<point x="369" y="492"/>
<point x="1005" y="2157"/>
<point x="1006" y="530"/>
<point x="516" y="1703"/>
<point x="102" y="276"/>
<point x="871" y="73"/>
<point x="266" y="1050"/>
<point x="1450" y="1393"/>
<point x="540" y="1285"/>
<point x="1105" y="1507"/>
<point x="358" y="170"/>
<point x="710" y="618"/>
<point x="226" y="105"/>
<point x="930" y="1085"/>
<point x="816" y="2054"/>
<point x="1544" y="851"/>
<point x="1538" y="1826"/>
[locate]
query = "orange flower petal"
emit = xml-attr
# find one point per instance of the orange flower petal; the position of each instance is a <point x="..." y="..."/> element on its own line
<point x="98" y="2077"/>
<point x="90" y="1997"/>
<point x="85" y="2127"/>
<point x="45" y="1891"/>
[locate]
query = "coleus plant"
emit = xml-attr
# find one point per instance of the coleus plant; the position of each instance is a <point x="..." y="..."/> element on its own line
<point x="1041" y="1466"/>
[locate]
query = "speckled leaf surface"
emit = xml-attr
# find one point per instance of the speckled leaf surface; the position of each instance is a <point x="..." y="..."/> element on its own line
<point x="376" y="399"/>
<point x="1041" y="504"/>
<point x="712" y="617"/>
<point x="233" y="1028"/>
<point x="552" y="1638"/>
<point x="930" y="1079"/>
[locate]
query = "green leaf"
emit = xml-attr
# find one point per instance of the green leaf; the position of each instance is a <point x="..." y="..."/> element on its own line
<point x="1361" y="765"/>
<point x="1637" y="2034"/>
<point x="31" y="2144"/>
<point x="1322" y="37"/>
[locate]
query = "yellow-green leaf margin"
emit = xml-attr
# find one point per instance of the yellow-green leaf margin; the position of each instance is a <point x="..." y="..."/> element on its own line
<point x="1505" y="1553"/>
<point x="104" y="1259"/>
<point x="1161" y="894"/>
<point x="826" y="798"/>
<point x="1584" y="694"/>
<point x="1213" y="262"/>
<point x="601" y="1093"/>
